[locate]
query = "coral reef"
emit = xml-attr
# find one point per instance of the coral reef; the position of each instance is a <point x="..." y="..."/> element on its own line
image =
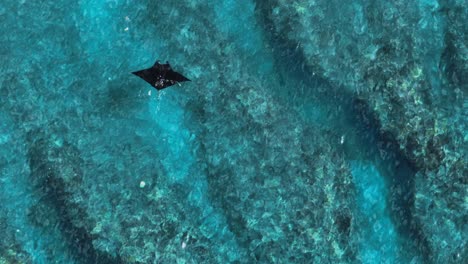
<point x="232" y="167"/>
<point x="407" y="62"/>
<point x="288" y="204"/>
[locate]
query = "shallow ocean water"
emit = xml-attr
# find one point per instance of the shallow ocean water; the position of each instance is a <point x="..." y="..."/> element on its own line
<point x="282" y="148"/>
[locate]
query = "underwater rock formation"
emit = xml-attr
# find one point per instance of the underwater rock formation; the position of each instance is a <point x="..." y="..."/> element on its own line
<point x="226" y="169"/>
<point x="288" y="196"/>
<point x="407" y="62"/>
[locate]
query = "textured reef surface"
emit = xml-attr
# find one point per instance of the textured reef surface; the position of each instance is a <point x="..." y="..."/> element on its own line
<point x="313" y="131"/>
<point x="407" y="61"/>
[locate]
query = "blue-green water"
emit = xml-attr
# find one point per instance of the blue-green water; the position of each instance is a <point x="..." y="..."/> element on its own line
<point x="311" y="132"/>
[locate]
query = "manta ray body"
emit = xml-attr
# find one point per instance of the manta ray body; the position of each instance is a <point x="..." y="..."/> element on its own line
<point x="161" y="76"/>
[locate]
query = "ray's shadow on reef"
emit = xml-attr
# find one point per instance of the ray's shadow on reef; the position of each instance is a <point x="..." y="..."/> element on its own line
<point x="346" y="113"/>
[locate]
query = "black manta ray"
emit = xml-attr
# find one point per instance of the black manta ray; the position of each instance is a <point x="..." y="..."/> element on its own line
<point x="161" y="76"/>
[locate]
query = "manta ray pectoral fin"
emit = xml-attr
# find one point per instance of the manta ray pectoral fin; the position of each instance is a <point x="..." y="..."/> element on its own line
<point x="138" y="73"/>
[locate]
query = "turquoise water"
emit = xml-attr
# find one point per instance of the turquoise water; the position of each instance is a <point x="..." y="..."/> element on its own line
<point x="273" y="153"/>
